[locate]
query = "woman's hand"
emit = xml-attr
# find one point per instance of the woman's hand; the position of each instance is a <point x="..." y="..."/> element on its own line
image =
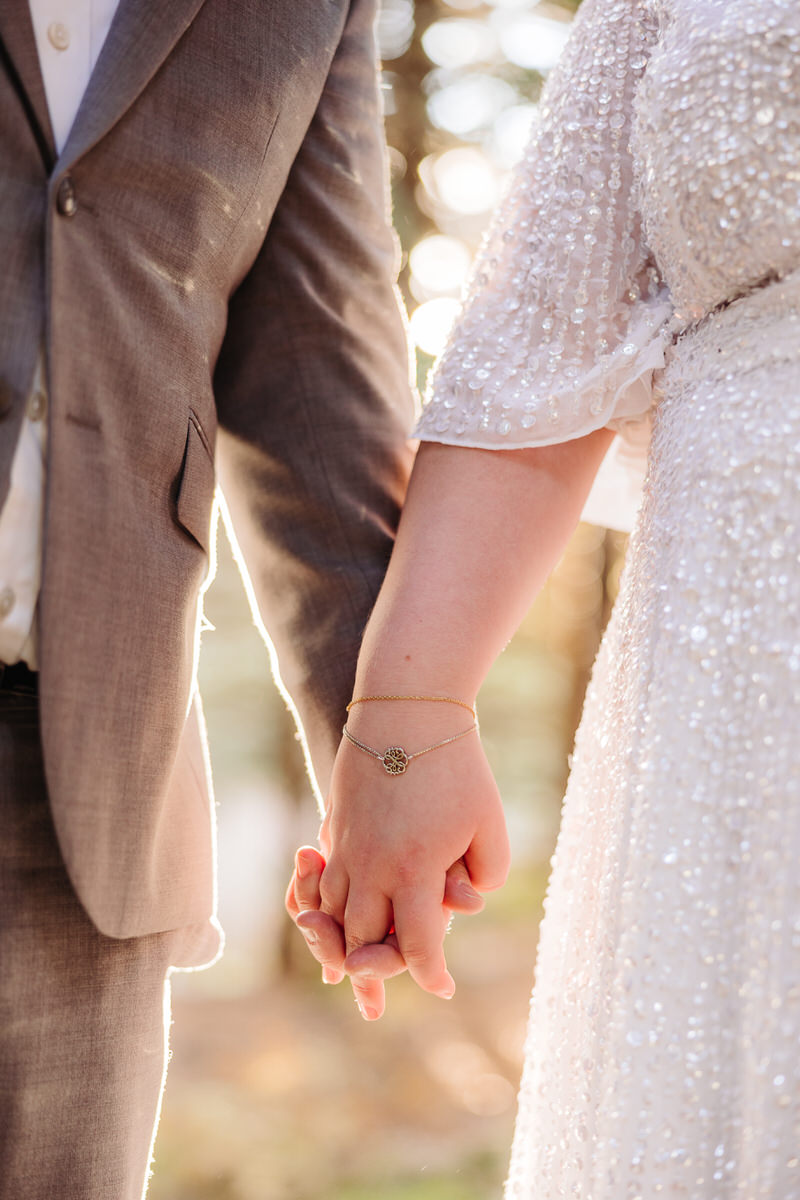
<point x="389" y="841"/>
<point x="480" y="532"/>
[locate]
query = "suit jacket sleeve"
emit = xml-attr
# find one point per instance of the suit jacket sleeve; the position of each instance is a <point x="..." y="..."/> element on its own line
<point x="314" y="399"/>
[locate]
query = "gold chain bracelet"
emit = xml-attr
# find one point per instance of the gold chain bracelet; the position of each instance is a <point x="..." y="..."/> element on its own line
<point x="395" y="759"/>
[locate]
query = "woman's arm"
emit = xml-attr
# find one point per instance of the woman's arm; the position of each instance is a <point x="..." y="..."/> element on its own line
<point x="480" y="532"/>
<point x="563" y="321"/>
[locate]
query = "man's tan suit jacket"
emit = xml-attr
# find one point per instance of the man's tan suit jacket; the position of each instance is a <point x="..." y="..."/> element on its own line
<point x="209" y="268"/>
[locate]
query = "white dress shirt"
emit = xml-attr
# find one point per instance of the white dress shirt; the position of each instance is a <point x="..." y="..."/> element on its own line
<point x="69" y="37"/>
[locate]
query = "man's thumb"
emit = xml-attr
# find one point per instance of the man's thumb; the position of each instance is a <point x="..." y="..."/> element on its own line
<point x="459" y="894"/>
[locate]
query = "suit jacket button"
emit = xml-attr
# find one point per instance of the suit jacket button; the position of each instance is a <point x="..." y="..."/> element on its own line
<point x="66" y="200"/>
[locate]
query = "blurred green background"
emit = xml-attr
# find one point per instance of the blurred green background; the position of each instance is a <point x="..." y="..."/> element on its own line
<point x="277" y="1089"/>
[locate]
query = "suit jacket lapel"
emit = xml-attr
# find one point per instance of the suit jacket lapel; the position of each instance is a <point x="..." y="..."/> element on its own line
<point x="141" y="36"/>
<point x="16" y="32"/>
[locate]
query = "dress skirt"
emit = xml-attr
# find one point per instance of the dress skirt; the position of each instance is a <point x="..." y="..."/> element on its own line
<point x="663" y="1054"/>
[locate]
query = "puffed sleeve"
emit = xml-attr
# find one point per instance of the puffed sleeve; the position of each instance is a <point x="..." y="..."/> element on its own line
<point x="565" y="316"/>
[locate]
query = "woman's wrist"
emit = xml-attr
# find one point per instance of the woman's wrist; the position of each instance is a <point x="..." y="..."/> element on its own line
<point x="393" y="664"/>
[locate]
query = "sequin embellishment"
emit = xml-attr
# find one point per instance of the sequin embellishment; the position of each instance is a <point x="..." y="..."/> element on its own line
<point x="662" y="1056"/>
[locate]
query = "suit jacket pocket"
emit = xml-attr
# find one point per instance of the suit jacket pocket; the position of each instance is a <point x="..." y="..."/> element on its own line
<point x="195" y="495"/>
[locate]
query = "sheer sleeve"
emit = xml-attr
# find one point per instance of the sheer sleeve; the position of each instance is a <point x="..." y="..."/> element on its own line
<point x="565" y="316"/>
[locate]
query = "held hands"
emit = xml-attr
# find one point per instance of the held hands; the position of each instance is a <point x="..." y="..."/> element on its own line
<point x="368" y="966"/>
<point x="402" y="854"/>
<point x="471" y="552"/>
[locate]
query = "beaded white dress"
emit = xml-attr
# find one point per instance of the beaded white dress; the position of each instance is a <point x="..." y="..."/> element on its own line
<point x="647" y="262"/>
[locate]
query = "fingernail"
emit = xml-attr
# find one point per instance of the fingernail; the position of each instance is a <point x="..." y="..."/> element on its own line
<point x="310" y="936"/>
<point x="329" y="975"/>
<point x="369" y="1014"/>
<point x="468" y="889"/>
<point x="448" y="990"/>
<point x="303" y="867"/>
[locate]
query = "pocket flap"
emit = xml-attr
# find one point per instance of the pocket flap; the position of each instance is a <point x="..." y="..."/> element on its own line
<point x="196" y="490"/>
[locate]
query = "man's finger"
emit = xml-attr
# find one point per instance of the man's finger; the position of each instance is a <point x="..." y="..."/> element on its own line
<point x="309" y="865"/>
<point x="367" y="921"/>
<point x="368" y="968"/>
<point x="459" y="894"/>
<point x="420" y="930"/>
<point x="290" y="900"/>
<point x="370" y="996"/>
<point x="325" y="939"/>
<point x="379" y="962"/>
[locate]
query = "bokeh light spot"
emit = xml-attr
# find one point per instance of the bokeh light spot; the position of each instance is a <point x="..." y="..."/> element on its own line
<point x="470" y="103"/>
<point x="458" y="42"/>
<point x="431" y="323"/>
<point x="439" y="265"/>
<point x="532" y="41"/>
<point x="394" y="28"/>
<point x="462" y="179"/>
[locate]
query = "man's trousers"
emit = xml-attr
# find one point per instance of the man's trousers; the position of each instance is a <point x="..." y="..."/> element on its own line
<point x="83" y="1017"/>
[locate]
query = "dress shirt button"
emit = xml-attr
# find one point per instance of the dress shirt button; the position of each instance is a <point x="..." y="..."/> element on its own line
<point x="37" y="406"/>
<point x="58" y="35"/>
<point x="7" y="601"/>
<point x="66" y="200"/>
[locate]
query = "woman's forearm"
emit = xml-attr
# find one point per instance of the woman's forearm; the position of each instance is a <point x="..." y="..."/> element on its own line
<point x="480" y="532"/>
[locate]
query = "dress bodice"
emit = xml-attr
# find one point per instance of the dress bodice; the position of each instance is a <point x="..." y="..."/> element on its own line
<point x="662" y="180"/>
<point x="716" y="142"/>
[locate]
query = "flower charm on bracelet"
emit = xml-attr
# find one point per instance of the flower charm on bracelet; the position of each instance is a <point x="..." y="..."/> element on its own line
<point x="395" y="760"/>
